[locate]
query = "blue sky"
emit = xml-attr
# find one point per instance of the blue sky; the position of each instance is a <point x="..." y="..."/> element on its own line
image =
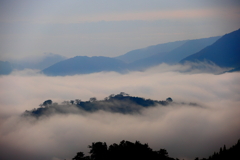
<point x="106" y="27"/>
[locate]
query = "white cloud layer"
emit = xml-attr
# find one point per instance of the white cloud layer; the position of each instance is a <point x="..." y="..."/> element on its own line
<point x="183" y="130"/>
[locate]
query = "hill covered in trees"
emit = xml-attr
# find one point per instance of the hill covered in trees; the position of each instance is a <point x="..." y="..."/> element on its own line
<point x="120" y="103"/>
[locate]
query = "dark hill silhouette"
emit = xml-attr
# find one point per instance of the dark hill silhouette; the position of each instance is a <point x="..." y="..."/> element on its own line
<point x="120" y="103"/>
<point x="5" y="68"/>
<point x="225" y="52"/>
<point x="125" y="150"/>
<point x="84" y="65"/>
<point x="174" y="56"/>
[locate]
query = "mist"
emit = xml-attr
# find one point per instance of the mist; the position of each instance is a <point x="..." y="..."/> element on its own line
<point x="185" y="131"/>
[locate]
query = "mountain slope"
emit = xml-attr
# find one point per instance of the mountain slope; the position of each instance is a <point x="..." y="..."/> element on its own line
<point x="225" y="52"/>
<point x="174" y="56"/>
<point x="138" y="54"/>
<point x="188" y="48"/>
<point x="37" y="62"/>
<point x="84" y="65"/>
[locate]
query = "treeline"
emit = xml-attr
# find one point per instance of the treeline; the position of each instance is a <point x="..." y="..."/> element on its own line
<point x="120" y="103"/>
<point x="233" y="153"/>
<point x="125" y="150"/>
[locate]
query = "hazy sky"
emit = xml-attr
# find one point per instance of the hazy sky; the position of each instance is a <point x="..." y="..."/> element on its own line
<point x="106" y="27"/>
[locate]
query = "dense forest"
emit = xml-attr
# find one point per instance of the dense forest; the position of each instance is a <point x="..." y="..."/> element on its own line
<point x="126" y="150"/>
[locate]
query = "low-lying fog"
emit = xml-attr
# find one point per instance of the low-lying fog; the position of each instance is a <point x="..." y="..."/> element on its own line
<point x="184" y="131"/>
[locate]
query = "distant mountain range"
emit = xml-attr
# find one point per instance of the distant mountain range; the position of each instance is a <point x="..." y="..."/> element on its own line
<point x="223" y="51"/>
<point x="85" y="65"/>
<point x="171" y="52"/>
<point x="139" y="59"/>
<point x="173" y="56"/>
<point x="31" y="62"/>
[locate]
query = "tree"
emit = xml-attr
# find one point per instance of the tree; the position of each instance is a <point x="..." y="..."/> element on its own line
<point x="98" y="151"/>
<point x="93" y="99"/>
<point x="169" y="99"/>
<point x="79" y="156"/>
<point x="111" y="96"/>
<point x="124" y="94"/>
<point x="224" y="148"/>
<point x="163" y="152"/>
<point x="72" y="102"/>
<point x="220" y="150"/>
<point x="77" y="101"/>
<point x="47" y="102"/>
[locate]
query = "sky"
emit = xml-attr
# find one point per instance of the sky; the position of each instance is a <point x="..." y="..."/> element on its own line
<point x="184" y="131"/>
<point x="108" y="28"/>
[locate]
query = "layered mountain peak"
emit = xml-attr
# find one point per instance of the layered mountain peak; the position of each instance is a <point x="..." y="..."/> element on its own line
<point x="225" y="52"/>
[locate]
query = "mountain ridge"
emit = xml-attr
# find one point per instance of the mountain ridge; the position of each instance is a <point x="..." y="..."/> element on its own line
<point x="84" y="65"/>
<point x="174" y="56"/>
<point x="225" y="52"/>
<point x="142" y="53"/>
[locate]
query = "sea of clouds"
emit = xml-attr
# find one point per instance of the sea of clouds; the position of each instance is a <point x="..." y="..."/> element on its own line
<point x="184" y="131"/>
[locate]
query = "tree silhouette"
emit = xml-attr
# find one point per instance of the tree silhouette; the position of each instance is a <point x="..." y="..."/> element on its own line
<point x="93" y="99"/>
<point x="98" y="151"/>
<point x="169" y="99"/>
<point x="47" y="102"/>
<point x="233" y="153"/>
<point x="72" y="102"/>
<point x="163" y="152"/>
<point x="79" y="156"/>
<point x="125" y="150"/>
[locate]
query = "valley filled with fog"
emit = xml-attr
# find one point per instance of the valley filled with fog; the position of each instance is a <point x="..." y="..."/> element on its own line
<point x="186" y="131"/>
